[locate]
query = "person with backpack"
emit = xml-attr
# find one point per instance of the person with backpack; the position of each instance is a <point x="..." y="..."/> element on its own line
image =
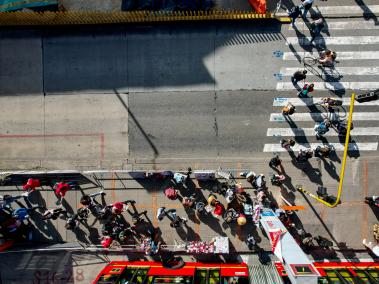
<point x="315" y="28"/>
<point x="275" y="162"/>
<point x="304" y="155"/>
<point x="171" y="193"/>
<point x="287" y="143"/>
<point x="306" y="6"/>
<point x="299" y="75"/>
<point x="289" y="109"/>
<point x="322" y="128"/>
<point x="307" y="89"/>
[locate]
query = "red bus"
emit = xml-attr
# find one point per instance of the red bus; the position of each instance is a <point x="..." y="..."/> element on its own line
<point x="340" y="272"/>
<point x="146" y="272"/>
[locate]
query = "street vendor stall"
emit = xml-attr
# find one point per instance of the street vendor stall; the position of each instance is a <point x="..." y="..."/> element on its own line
<point x="299" y="268"/>
<point x="215" y="246"/>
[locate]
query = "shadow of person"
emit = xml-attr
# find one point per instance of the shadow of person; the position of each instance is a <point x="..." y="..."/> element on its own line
<point x="80" y="235"/>
<point x="300" y="136"/>
<point x="303" y="41"/>
<point x="212" y="223"/>
<point x="367" y="13"/>
<point x="374" y="210"/>
<point x="330" y="168"/>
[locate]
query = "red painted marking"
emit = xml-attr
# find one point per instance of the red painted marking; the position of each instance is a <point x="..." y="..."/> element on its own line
<point x="102" y="146"/>
<point x="100" y="135"/>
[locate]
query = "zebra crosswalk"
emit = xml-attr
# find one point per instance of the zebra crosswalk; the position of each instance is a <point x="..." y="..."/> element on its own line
<point x="356" y="42"/>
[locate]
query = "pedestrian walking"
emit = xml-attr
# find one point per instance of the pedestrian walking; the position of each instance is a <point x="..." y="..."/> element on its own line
<point x="7" y="200"/>
<point x="322" y="128"/>
<point x="289" y="109"/>
<point x="307" y="89"/>
<point x="199" y="208"/>
<point x="287" y="143"/>
<point x="31" y="185"/>
<point x="372" y="200"/>
<point x="60" y="189"/>
<point x="189" y="201"/>
<point x="275" y="162"/>
<point x="299" y="75"/>
<point x="322" y="151"/>
<point x="305" y="6"/>
<point x="315" y="28"/>
<point x="304" y="155"/>
<point x="294" y="13"/>
<point x="230" y="215"/>
<point x="171" y="193"/>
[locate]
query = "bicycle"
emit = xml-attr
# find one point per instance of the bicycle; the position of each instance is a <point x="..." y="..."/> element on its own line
<point x="333" y="111"/>
<point x="324" y="71"/>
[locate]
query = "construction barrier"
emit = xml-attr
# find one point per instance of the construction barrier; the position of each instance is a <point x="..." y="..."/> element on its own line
<point x="20" y="18"/>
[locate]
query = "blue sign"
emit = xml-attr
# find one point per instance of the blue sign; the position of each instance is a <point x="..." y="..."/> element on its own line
<point x="278" y="53"/>
<point x="267" y="213"/>
<point x="279" y="76"/>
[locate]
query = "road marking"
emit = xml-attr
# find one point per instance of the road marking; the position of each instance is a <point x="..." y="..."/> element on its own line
<point x="360" y="71"/>
<point x="358" y="131"/>
<point x="337" y="146"/>
<point x="340" y="40"/>
<point x="332" y="85"/>
<point x="348" y="9"/>
<point x="280" y="102"/>
<point x="342" y="55"/>
<point x="341" y="25"/>
<point x="314" y="116"/>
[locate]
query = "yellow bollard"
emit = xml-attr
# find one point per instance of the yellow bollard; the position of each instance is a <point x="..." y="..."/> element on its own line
<point x="342" y="173"/>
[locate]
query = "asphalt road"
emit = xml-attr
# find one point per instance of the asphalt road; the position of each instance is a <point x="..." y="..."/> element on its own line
<point x="98" y="97"/>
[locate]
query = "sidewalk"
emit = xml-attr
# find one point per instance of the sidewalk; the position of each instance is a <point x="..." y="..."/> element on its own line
<point x="315" y="219"/>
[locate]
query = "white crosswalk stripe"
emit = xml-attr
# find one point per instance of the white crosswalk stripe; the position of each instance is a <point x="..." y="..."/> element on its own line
<point x="350" y="10"/>
<point x="280" y="102"/>
<point x="315" y="116"/>
<point x="341" y="25"/>
<point x="334" y="86"/>
<point x="356" y="71"/>
<point x="337" y="147"/>
<point x="340" y="40"/>
<point x="289" y="132"/>
<point x="342" y="55"/>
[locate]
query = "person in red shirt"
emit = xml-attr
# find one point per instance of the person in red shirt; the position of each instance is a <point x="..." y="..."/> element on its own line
<point x="307" y="89"/>
<point x="31" y="185"/>
<point x="60" y="189"/>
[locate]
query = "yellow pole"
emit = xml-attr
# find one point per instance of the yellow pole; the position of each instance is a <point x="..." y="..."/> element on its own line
<point x="342" y="173"/>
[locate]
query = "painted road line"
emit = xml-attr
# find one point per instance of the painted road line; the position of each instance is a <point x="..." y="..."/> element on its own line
<point x="337" y="147"/>
<point x="349" y="10"/>
<point x="280" y="102"/>
<point x="342" y="55"/>
<point x="341" y="25"/>
<point x="286" y="132"/>
<point x="286" y="86"/>
<point x="315" y="116"/>
<point x="340" y="40"/>
<point x="356" y="71"/>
